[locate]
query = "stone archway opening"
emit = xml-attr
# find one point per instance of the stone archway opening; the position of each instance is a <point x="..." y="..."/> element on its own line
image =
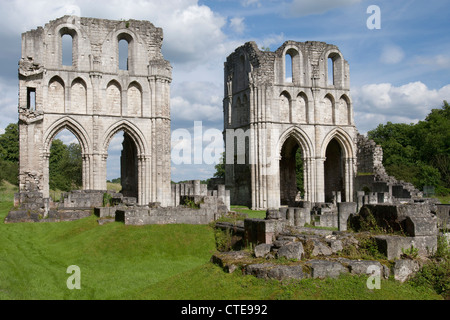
<point x="292" y="188"/>
<point x="122" y="164"/>
<point x="334" y="171"/>
<point x="65" y="164"/>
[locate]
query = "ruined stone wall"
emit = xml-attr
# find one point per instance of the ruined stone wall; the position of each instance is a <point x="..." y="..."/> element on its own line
<point x="372" y="177"/>
<point x="95" y="99"/>
<point x="272" y="108"/>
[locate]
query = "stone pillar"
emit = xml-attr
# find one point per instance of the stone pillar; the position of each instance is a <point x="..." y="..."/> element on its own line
<point x="46" y="175"/>
<point x="320" y="181"/>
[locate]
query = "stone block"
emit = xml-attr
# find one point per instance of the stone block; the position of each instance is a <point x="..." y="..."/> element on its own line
<point x="405" y="268"/>
<point x="261" y="250"/>
<point x="291" y="251"/>
<point x="345" y="209"/>
<point x="420" y="225"/>
<point x="323" y="268"/>
<point x="320" y="249"/>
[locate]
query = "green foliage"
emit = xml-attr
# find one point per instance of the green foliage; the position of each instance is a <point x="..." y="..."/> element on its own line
<point x="9" y="154"/>
<point x="443" y="248"/>
<point x="223" y="239"/>
<point x="9" y="143"/>
<point x="410" y="253"/>
<point x="65" y="166"/>
<point x="107" y="199"/>
<point x="220" y="167"/>
<point x="299" y="171"/>
<point x="116" y="180"/>
<point x="9" y="171"/>
<point x="436" y="275"/>
<point x="418" y="153"/>
<point x="191" y="203"/>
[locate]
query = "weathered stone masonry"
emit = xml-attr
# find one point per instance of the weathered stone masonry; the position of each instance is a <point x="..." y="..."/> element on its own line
<point x="281" y="114"/>
<point x="94" y="99"/>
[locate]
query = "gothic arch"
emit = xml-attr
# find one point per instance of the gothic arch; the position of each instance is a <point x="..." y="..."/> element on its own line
<point x="287" y="153"/>
<point x="285" y="114"/>
<point x="78" y="94"/>
<point x="326" y="112"/>
<point x="338" y="172"/>
<point x="337" y="65"/>
<point x="113" y="98"/>
<point x="344" y="140"/>
<point x="134" y="99"/>
<point x="56" y="95"/>
<point x="129" y="128"/>
<point x="74" y="127"/>
<point x="300" y="109"/>
<point x="70" y="25"/>
<point x="297" y="63"/>
<point x="344" y="105"/>
<point x="302" y="139"/>
<point x="86" y="148"/>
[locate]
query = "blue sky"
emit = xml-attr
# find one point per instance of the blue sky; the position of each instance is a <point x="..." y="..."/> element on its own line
<point x="397" y="73"/>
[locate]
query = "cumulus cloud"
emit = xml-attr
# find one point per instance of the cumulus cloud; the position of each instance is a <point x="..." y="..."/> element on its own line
<point x="439" y="61"/>
<point x="300" y="8"/>
<point x="197" y="101"/>
<point x="409" y="103"/>
<point x="191" y="31"/>
<point x="392" y="54"/>
<point x="237" y="24"/>
<point x="247" y="3"/>
<point x="8" y="103"/>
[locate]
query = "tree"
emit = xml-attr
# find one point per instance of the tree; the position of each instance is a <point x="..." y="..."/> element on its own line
<point x="9" y="143"/>
<point x="65" y="166"/>
<point x="9" y="154"/>
<point x="220" y="167"/>
<point x="418" y="153"/>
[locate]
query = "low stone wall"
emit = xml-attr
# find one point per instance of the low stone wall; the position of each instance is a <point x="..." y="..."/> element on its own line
<point x="443" y="215"/>
<point x="144" y="216"/>
<point x="393" y="246"/>
<point x="406" y="226"/>
<point x="265" y="230"/>
<point x="60" y="215"/>
<point x="84" y="198"/>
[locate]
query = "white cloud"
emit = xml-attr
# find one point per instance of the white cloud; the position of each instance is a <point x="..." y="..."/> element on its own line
<point x="247" y="3"/>
<point x="439" y="61"/>
<point x="196" y="101"/>
<point x="300" y="8"/>
<point x="67" y="137"/>
<point x="8" y="103"/>
<point x="192" y="32"/>
<point x="270" y="40"/>
<point x="409" y="103"/>
<point x="237" y="24"/>
<point x="392" y="54"/>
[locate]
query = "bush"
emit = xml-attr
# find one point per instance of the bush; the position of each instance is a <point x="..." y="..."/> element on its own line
<point x="9" y="172"/>
<point x="436" y="273"/>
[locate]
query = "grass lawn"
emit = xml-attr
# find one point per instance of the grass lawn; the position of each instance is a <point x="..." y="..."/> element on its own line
<point x="149" y="262"/>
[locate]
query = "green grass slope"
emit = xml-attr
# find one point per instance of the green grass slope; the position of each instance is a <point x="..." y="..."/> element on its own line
<point x="116" y="261"/>
<point x="148" y="262"/>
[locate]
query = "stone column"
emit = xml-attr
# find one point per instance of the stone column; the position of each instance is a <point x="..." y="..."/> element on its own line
<point x="320" y="180"/>
<point x="46" y="175"/>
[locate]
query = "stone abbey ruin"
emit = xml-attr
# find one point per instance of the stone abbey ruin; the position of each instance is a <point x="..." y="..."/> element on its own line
<point x="269" y="116"/>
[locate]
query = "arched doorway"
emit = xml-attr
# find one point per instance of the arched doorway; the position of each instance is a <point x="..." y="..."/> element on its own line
<point x="292" y="186"/>
<point x="334" y="170"/>
<point x="122" y="163"/>
<point x="65" y="164"/>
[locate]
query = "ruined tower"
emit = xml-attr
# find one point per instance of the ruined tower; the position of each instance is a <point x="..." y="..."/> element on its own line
<point x="94" y="97"/>
<point x="276" y="103"/>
